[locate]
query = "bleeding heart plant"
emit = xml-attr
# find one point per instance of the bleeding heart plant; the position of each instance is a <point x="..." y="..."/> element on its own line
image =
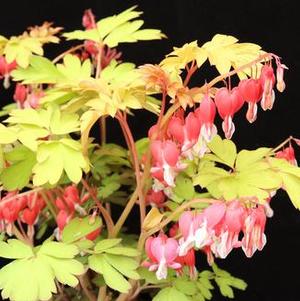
<point x="60" y="187"/>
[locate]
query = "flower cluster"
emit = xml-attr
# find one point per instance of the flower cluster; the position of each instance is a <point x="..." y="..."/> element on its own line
<point x="27" y="97"/>
<point x="67" y="204"/>
<point x="187" y="137"/>
<point x="216" y="231"/>
<point x="25" y="208"/>
<point x="28" y="207"/>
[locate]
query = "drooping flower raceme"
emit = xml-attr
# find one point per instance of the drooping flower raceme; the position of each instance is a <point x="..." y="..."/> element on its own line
<point x="216" y="230"/>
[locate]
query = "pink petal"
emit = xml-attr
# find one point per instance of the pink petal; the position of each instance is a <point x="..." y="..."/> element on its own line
<point x="235" y="216"/>
<point x="192" y="125"/>
<point x="228" y="127"/>
<point x="156" y="151"/>
<point x="184" y="222"/>
<point x="175" y="129"/>
<point x="214" y="213"/>
<point x="171" y="250"/>
<point x="170" y="152"/>
<point x="207" y="110"/>
<point x="251" y="112"/>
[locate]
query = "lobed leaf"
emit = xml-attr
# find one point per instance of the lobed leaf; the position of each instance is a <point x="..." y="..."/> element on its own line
<point x="17" y="175"/>
<point x="40" y="267"/>
<point x="78" y="228"/>
<point x="112" y="277"/>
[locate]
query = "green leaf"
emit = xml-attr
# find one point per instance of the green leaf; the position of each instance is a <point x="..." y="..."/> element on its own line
<point x="108" y="189"/>
<point x="39" y="284"/>
<point x="225" y="289"/>
<point x="171" y="294"/>
<point x="224" y="280"/>
<point x="15" y="249"/>
<point x="238" y="283"/>
<point x="78" y="228"/>
<point x="21" y="49"/>
<point x="2" y="161"/>
<point x="73" y="70"/>
<point x="205" y="292"/>
<point x="188" y="287"/>
<point x="245" y="158"/>
<point x="184" y="187"/>
<point x="126" y="266"/>
<point x="198" y="297"/>
<point x="111" y="276"/>
<point x="68" y="157"/>
<point x="116" y="73"/>
<point x="206" y="282"/>
<point x="149" y="276"/>
<point x="40" y="267"/>
<point x="17" y="175"/>
<point x="251" y="180"/>
<point x="30" y="116"/>
<point x="123" y="251"/>
<point x="108" y="24"/>
<point x="64" y="123"/>
<point x="290" y="177"/>
<point x="40" y="71"/>
<point x="65" y="270"/>
<point x="105" y="244"/>
<point x="292" y="187"/>
<point x="206" y="274"/>
<point x="58" y="249"/>
<point x="117" y="29"/>
<point x="30" y="135"/>
<point x="206" y="176"/>
<point x="142" y="146"/>
<point x="7" y="136"/>
<point x="91" y="34"/>
<point x="7" y="109"/>
<point x="224" y="150"/>
<point x="84" y="244"/>
<point x="40" y="123"/>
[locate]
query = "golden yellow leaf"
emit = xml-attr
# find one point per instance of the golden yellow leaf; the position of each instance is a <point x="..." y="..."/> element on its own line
<point x="224" y="52"/>
<point x="181" y="56"/>
<point x="152" y="219"/>
<point x="44" y="33"/>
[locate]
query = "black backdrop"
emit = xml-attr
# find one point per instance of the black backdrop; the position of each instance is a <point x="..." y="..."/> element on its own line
<point x="272" y="274"/>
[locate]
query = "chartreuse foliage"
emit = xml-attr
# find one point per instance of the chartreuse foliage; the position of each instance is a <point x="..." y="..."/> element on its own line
<point x="118" y="88"/>
<point x="17" y="174"/>
<point x="111" y="169"/>
<point x="121" y="28"/>
<point x="248" y="174"/>
<point x="78" y="228"/>
<point x="20" y="48"/>
<point x="41" y="70"/>
<point x="32" y="274"/>
<point x="222" y="51"/>
<point x="198" y="289"/>
<point x="31" y="125"/>
<point x="68" y="158"/>
<point x="115" y="263"/>
<point x="44" y="138"/>
<point x="50" y="146"/>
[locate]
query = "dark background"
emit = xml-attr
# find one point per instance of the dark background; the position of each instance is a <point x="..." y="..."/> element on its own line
<point x="272" y="274"/>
